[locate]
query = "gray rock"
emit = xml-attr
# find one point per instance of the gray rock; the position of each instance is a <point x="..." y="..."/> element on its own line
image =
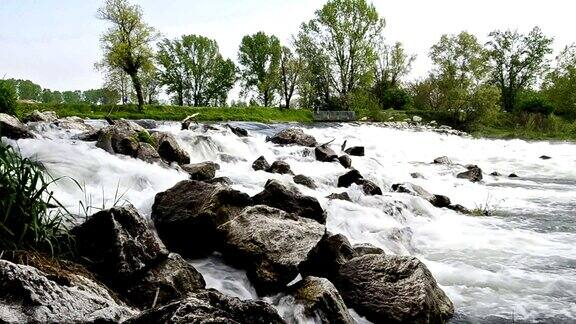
<point x="220" y="180"/>
<point x="324" y="153"/>
<point x="442" y="160"/>
<point x="12" y="128"/>
<point x="393" y="289"/>
<point x="349" y="178"/>
<point x="186" y="216"/>
<point x="513" y="175"/>
<point x="474" y="174"/>
<point x="346" y="161"/>
<point x="146" y="152"/>
<point x="293" y="136"/>
<point x="201" y="171"/>
<point x="326" y="258"/>
<point x="238" y="131"/>
<point x="370" y="188"/>
<point x="290" y="200"/>
<point x="461" y="209"/>
<point x="545" y="157"/>
<point x="260" y="164"/>
<point x="89" y="136"/>
<point x="355" y="151"/>
<point x="417" y="175"/>
<point x="270" y="244"/>
<point x="40" y="116"/>
<point x="280" y="167"/>
<point x="305" y="181"/>
<point x="146" y="123"/>
<point x="439" y="201"/>
<point x="340" y="196"/>
<point x="73" y="123"/>
<point x="120" y="138"/>
<point x="367" y="248"/>
<point x="169" y="149"/>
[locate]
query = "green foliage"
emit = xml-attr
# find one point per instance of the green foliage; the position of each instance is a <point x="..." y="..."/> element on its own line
<point x="393" y="64"/>
<point x="49" y="96"/>
<point x="28" y="219"/>
<point x="72" y="97"/>
<point x="364" y="103"/>
<point x="395" y="98"/>
<point x="290" y="69"/>
<point x="536" y="103"/>
<point x="145" y="137"/>
<point x="7" y="98"/>
<point x="560" y="84"/>
<point x="28" y="90"/>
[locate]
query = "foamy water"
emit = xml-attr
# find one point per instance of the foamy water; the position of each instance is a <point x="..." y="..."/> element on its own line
<point x="519" y="264"/>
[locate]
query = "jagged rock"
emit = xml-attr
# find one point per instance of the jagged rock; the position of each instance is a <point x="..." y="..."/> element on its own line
<point x="474" y="174"/>
<point x="211" y="306"/>
<point x="442" y="160"/>
<point x="355" y="151"/>
<point x="186" y="216"/>
<point x="89" y="136"/>
<point x="169" y="149"/>
<point x="513" y="175"/>
<point x="146" y="123"/>
<point x="121" y="138"/>
<point x="340" y="196"/>
<point x="305" y="181"/>
<point x="290" y="200"/>
<point x="220" y="180"/>
<point x="370" y="188"/>
<point x="293" y="136"/>
<point x="73" y="123"/>
<point x="40" y="116"/>
<point x="349" y="178"/>
<point x="238" y="131"/>
<point x="201" y="171"/>
<point x="270" y="244"/>
<point x="460" y="209"/>
<point x="260" y="164"/>
<point x="393" y="289"/>
<point x="545" y="157"/>
<point x="280" y="167"/>
<point x="324" y="153"/>
<point x="321" y="301"/>
<point x="417" y="175"/>
<point x="366" y="248"/>
<point x="346" y="161"/>
<point x="146" y="152"/>
<point x="12" y="128"/>
<point x="30" y="295"/>
<point x="328" y="256"/>
<point x="440" y="201"/>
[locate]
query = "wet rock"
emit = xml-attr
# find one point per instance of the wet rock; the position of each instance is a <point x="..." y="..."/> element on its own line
<point x="227" y="158"/>
<point x="73" y="123"/>
<point x="238" y="131"/>
<point x="12" y="128"/>
<point x="321" y="301"/>
<point x="169" y="149"/>
<point x="324" y="153"/>
<point x="495" y="174"/>
<point x="186" y="216"/>
<point x="185" y="124"/>
<point x="30" y="295"/>
<point x="370" y="188"/>
<point x="367" y="248"/>
<point x="305" y="181"/>
<point x="201" y="171"/>
<point x="474" y="174"/>
<point x="393" y="289"/>
<point x="280" y="167"/>
<point x="120" y="138"/>
<point x="260" y="164"/>
<point x="146" y="152"/>
<point x="293" y="136"/>
<point x="270" y="244"/>
<point x="355" y="151"/>
<point x="346" y="161"/>
<point x="460" y="209"/>
<point x="513" y="175"/>
<point x="290" y="200"/>
<point x="417" y="119"/>
<point x="440" y="201"/>
<point x="545" y="157"/>
<point x="220" y="180"/>
<point x="89" y="136"/>
<point x="146" y="123"/>
<point x="349" y="178"/>
<point x="442" y="160"/>
<point x="326" y="258"/>
<point x="339" y="196"/>
<point x="211" y="306"/>
<point x="40" y="116"/>
<point x="417" y="175"/>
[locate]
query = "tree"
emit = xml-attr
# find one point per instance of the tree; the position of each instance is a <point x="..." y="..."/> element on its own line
<point x="28" y="90"/>
<point x="259" y="57"/>
<point x="126" y="44"/>
<point x="517" y="60"/>
<point x="290" y="68"/>
<point x="71" y="97"/>
<point x="560" y="84"/>
<point x="393" y="63"/>
<point x="171" y="68"/>
<point x="49" y="96"/>
<point x="7" y="97"/>
<point x="221" y="82"/>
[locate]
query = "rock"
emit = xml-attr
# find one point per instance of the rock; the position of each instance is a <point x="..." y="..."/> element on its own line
<point x="326" y="258"/>
<point x="30" y="295"/>
<point x="260" y="164"/>
<point x="270" y="244"/>
<point x="513" y="175"/>
<point x="146" y="123"/>
<point x="275" y="194"/>
<point x="460" y="209"/>
<point x="211" y="306"/>
<point x="474" y="174"/>
<point x="321" y="301"/>
<point x="293" y="136"/>
<point x="370" y="188"/>
<point x="73" y="123"/>
<point x="346" y="161"/>
<point x="349" y="178"/>
<point x="186" y="216"/>
<point x="169" y="149"/>
<point x="324" y="153"/>
<point x="185" y="124"/>
<point x="355" y="151"/>
<point x="495" y="174"/>
<point x="12" y="128"/>
<point x="238" y="131"/>
<point x="340" y="196"/>
<point x="280" y="167"/>
<point x="545" y="157"/>
<point x="366" y="248"/>
<point x="220" y="180"/>
<point x="201" y="171"/>
<point x="89" y="136"/>
<point x="305" y="181"/>
<point x="442" y="160"/>
<point x="40" y="116"/>
<point x="440" y="201"/>
<point x="146" y="152"/>
<point x="416" y="119"/>
<point x="393" y="289"/>
<point x="417" y="175"/>
<point x="120" y="138"/>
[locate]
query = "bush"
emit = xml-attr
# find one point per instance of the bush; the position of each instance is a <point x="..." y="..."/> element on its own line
<point x="7" y="98"/>
<point x="395" y="98"/>
<point x="535" y="103"/>
<point x="364" y="103"/>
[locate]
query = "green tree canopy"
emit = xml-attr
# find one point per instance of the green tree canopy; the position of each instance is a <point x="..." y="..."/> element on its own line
<point x="290" y="70"/>
<point x="560" y="84"/>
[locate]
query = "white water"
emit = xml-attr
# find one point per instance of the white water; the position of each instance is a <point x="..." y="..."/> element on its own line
<point x="517" y="265"/>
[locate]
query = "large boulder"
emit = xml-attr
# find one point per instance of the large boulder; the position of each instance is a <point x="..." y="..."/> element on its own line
<point x="474" y="174"/>
<point x="148" y="153"/>
<point x="370" y="188"/>
<point x="40" y="116"/>
<point x="211" y="306"/>
<point x="366" y="248"/>
<point x="201" y="171"/>
<point x="73" y="123"/>
<point x="270" y="244"/>
<point x="326" y="258"/>
<point x="393" y="289"/>
<point x="120" y="138"/>
<point x="260" y="164"/>
<point x="12" y="128"/>
<point x="321" y="301"/>
<point x="305" y="181"/>
<point x="169" y="149"/>
<point x="280" y="167"/>
<point x="442" y="160"/>
<point x="324" y="153"/>
<point x="186" y="216"/>
<point x="31" y="295"/>
<point x="293" y="136"/>
<point x="355" y="151"/>
<point x="146" y="123"/>
<point x="290" y="200"/>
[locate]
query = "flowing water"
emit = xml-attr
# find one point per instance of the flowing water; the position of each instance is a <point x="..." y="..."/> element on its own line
<point x="517" y="265"/>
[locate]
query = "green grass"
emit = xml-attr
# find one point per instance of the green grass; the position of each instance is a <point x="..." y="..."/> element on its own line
<point x="176" y="113"/>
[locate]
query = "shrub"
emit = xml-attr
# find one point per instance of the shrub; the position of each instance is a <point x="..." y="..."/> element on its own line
<point x="364" y="103"/>
<point x="535" y="103"/>
<point x="395" y="98"/>
<point x="145" y="137"/>
<point x="7" y="98"/>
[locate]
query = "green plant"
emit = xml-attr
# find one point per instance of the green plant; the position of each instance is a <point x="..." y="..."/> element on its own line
<point x="144" y="137"/>
<point x="486" y="209"/>
<point x="395" y="98"/>
<point x="31" y="218"/>
<point x="7" y="98"/>
<point x="535" y="103"/>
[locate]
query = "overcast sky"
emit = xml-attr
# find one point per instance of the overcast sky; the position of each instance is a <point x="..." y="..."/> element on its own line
<point x="55" y="42"/>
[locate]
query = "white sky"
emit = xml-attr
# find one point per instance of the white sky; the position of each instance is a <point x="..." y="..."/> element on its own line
<point x="55" y="42"/>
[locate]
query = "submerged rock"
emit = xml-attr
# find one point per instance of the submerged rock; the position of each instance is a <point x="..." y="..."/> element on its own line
<point x="355" y="151"/>
<point x="169" y="149"/>
<point x="340" y="196"/>
<point x="439" y="201"/>
<point x="417" y="175"/>
<point x="545" y="157"/>
<point x="345" y="161"/>
<point x="442" y="160"/>
<point x="260" y="164"/>
<point x="393" y="289"/>
<point x="201" y="171"/>
<point x="270" y="244"/>
<point x="370" y="188"/>
<point x="146" y="123"/>
<point x="513" y="175"/>
<point x="495" y="174"/>
<point x="474" y="174"/>
<point x="12" y="128"/>
<point x="40" y="116"/>
<point x="293" y="136"/>
<point x="324" y="153"/>
<point x="238" y="131"/>
<point x="280" y="167"/>
<point x="305" y="181"/>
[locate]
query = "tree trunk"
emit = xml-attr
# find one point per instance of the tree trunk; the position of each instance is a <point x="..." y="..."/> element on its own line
<point x="138" y="89"/>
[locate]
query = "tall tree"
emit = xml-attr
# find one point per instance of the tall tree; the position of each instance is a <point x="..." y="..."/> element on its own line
<point x="171" y="68"/>
<point x="71" y="97"/>
<point x="560" y="84"/>
<point x="259" y="57"/>
<point x="290" y="69"/>
<point x="393" y="63"/>
<point x="221" y="82"/>
<point x="28" y="90"/>
<point x="126" y="44"/>
<point x="517" y="60"/>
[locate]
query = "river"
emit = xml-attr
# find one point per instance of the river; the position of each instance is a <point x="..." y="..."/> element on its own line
<point x="517" y="265"/>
